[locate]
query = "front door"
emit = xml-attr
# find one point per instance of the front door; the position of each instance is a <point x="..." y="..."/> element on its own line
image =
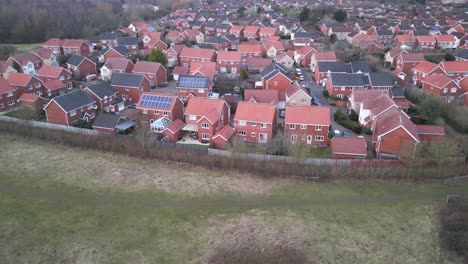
<point x="309" y="139"/>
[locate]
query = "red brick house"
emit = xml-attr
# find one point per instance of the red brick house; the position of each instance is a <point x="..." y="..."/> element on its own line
<point x="318" y="57"/>
<point x="76" y="47"/>
<point x="446" y="42"/>
<point x="206" y="117"/>
<point x="8" y="95"/>
<point x="54" y="87"/>
<point x="405" y="41"/>
<point x="189" y="55"/>
<point x="303" y="56"/>
<point x="175" y="36"/>
<point x="407" y="61"/>
<point x="106" y="97"/>
<point x="173" y="55"/>
<point x="238" y="31"/>
<point x="130" y="86"/>
<point x="455" y="69"/>
<point x="107" y="122"/>
<point x="203" y="69"/>
<point x="464" y="90"/>
<point x="255" y="122"/>
<point x="81" y="66"/>
<point x="173" y="132"/>
<point x="307" y="124"/>
<point x="251" y="32"/>
<point x="28" y="62"/>
<point x="54" y="44"/>
<point x="391" y="55"/>
<point x="261" y="96"/>
<point x="157" y="105"/>
<point x="32" y="101"/>
<point x="153" y="71"/>
<point x="275" y="77"/>
<point x="342" y="84"/>
<point x="47" y="73"/>
<point x="427" y="42"/>
<point x="348" y="148"/>
<point x="196" y="86"/>
<point x="115" y="65"/>
<point x="222" y="138"/>
<point x="422" y="70"/>
<point x="229" y="61"/>
<point x="394" y="135"/>
<point x="266" y="32"/>
<point x="25" y="83"/>
<point x="71" y="107"/>
<point x="249" y="51"/>
<point x="441" y="85"/>
<point x="118" y="52"/>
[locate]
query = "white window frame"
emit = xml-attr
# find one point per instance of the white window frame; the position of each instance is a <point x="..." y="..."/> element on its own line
<point x="144" y="111"/>
<point x="254" y="123"/>
<point x="293" y="138"/>
<point x="9" y="94"/>
<point x="292" y="126"/>
<point x="453" y="90"/>
<point x="192" y="117"/>
<point x="263" y="125"/>
<point x="303" y="100"/>
<point x="241" y="133"/>
<point x="165" y="113"/>
<point x="38" y="85"/>
<point x="242" y="123"/>
<point x="10" y="103"/>
<point x="319" y="138"/>
<point x="72" y="112"/>
<point x="303" y="126"/>
<point x="205" y="125"/>
<point x="318" y="128"/>
<point x="205" y="136"/>
<point x="252" y="134"/>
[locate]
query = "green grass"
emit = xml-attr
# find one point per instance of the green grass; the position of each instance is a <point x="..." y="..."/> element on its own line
<point x="26" y="47"/>
<point x="63" y="205"/>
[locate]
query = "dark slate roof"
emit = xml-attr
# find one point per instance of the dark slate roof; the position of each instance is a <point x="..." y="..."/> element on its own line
<point x="303" y="35"/>
<point x="398" y="91"/>
<point x="463" y="54"/>
<point x="381" y="79"/>
<point x="222" y="26"/>
<point x="103" y="51"/>
<point x="73" y="100"/>
<point x="217" y="40"/>
<point x="211" y="25"/>
<point x="384" y="32"/>
<point x="127" y="79"/>
<point x="102" y="89"/>
<point x="361" y="66"/>
<point x="110" y="35"/>
<point x="332" y="67"/>
<point x="196" y="23"/>
<point x="192" y="81"/>
<point x="128" y="41"/>
<point x="232" y="37"/>
<point x="122" y="50"/>
<point x="75" y="60"/>
<point x="273" y="69"/>
<point x="404" y="27"/>
<point x="206" y="46"/>
<point x="347" y="79"/>
<point x="106" y="120"/>
<point x="421" y="33"/>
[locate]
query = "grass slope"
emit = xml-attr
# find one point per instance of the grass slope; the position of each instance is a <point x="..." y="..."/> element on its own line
<point x="62" y="205"/>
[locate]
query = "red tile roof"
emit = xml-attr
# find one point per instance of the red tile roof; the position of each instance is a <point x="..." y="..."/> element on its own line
<point x="393" y="120"/>
<point x="54" y="84"/>
<point x="430" y="130"/>
<point x="50" y="71"/>
<point x="5" y="87"/>
<point x="251" y="29"/>
<point x="146" y="67"/>
<point x="359" y="96"/>
<point x="438" y="80"/>
<point x="229" y="56"/>
<point x="445" y="38"/>
<point x="294" y="88"/>
<point x="225" y="133"/>
<point x="117" y="63"/>
<point x="325" y="56"/>
<point x="197" y="53"/>
<point x="412" y="57"/>
<point x="173" y="128"/>
<point x="19" y="79"/>
<point x="53" y="42"/>
<point x="256" y="112"/>
<point x="426" y="38"/>
<point x="24" y="58"/>
<point x="43" y="53"/>
<point x="201" y="106"/>
<point x="203" y="69"/>
<point x="379" y="104"/>
<point x="181" y="70"/>
<point x="425" y="67"/>
<point x="250" y="48"/>
<point x="454" y="66"/>
<point x="349" y="145"/>
<point x="261" y="96"/>
<point x="258" y="62"/>
<point x="308" y="115"/>
<point x="29" y="97"/>
<point x="267" y="30"/>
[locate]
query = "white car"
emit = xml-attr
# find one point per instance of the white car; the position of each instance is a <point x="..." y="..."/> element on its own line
<point x="336" y="133"/>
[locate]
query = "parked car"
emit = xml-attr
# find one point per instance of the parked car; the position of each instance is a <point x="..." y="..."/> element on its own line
<point x="282" y="113"/>
<point x="346" y="134"/>
<point x="133" y="106"/>
<point x="336" y="133"/>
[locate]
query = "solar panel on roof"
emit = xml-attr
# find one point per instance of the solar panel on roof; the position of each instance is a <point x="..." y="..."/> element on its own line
<point x="156" y="101"/>
<point x="193" y="82"/>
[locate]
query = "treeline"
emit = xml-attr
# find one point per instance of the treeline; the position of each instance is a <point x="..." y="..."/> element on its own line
<point x="26" y="21"/>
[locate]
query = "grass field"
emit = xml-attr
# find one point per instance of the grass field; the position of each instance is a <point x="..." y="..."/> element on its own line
<point x="64" y="205"/>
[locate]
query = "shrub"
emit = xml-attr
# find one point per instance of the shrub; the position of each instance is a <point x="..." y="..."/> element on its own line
<point x="366" y="131"/>
<point x="353" y="116"/>
<point x="325" y="93"/>
<point x="80" y="123"/>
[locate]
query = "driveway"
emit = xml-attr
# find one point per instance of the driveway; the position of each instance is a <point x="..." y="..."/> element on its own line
<point x="168" y="89"/>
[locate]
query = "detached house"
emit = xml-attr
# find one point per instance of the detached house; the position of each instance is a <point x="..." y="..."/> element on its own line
<point x="160" y="109"/>
<point x="205" y="117"/>
<point x="28" y="62"/>
<point x="441" y="85"/>
<point x="81" y="66"/>
<point x="307" y="124"/>
<point x="189" y="55"/>
<point x="455" y="69"/>
<point x="68" y="108"/>
<point x="406" y="62"/>
<point x="76" y="47"/>
<point x="255" y="122"/>
<point x="130" y="43"/>
<point x="47" y="73"/>
<point x="342" y="84"/>
<point x="25" y="83"/>
<point x="47" y="56"/>
<point x="296" y="95"/>
<point x="6" y="69"/>
<point x="229" y="61"/>
<point x="324" y="69"/>
<point x="106" y="97"/>
<point x="153" y="71"/>
<point x="251" y="32"/>
<point x="115" y="65"/>
<point x="249" y="51"/>
<point x="265" y="33"/>
<point x="173" y="55"/>
<point x="426" y="42"/>
<point x="130" y="86"/>
<point x="303" y="56"/>
<point x="193" y="86"/>
<point x="318" y="57"/>
<point x="8" y="95"/>
<point x="422" y="70"/>
<point x="275" y="77"/>
<point x="118" y="52"/>
<point x="446" y="42"/>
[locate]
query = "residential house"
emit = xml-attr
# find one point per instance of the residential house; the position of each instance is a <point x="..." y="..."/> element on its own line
<point x="406" y="62"/>
<point x="265" y="33"/>
<point x="53" y="44"/>
<point x="173" y="132"/>
<point x="381" y="81"/>
<point x="229" y="61"/>
<point x="189" y="55"/>
<point x="106" y="97"/>
<point x="157" y="107"/>
<point x="222" y="139"/>
<point x="107" y="122"/>
<point x="462" y="55"/>
<point x="179" y="70"/>
<point x="222" y="28"/>
<point x="275" y="77"/>
<point x="218" y="43"/>
<point x="238" y="31"/>
<point x="441" y="85"/>
<point x="302" y="39"/>
<point x="463" y="83"/>
<point x="81" y="66"/>
<point x="28" y="63"/>
<point x="405" y="41"/>
<point x="54" y="87"/>
<point x="131" y="43"/>
<point x="255" y="122"/>
<point x="6" y="69"/>
<point x="285" y="59"/>
<point x="384" y="37"/>
<point x="422" y="70"/>
<point x="8" y="95"/>
<point x="196" y="86"/>
<point x="261" y="96"/>
<point x="426" y="42"/>
<point x="71" y="107"/>
<point x="251" y="32"/>
<point x="371" y="108"/>
<point x="455" y="69"/>
<point x="117" y="52"/>
<point x="340" y="32"/>
<point x="76" y="47"/>
<point x="342" y="84"/>
<point x="256" y="65"/>
<point x="348" y="148"/>
<point x="130" y="86"/>
<point x="307" y="124"/>
<point x="296" y="95"/>
<point x="249" y="51"/>
<point x="391" y="55"/>
<point x="324" y="69"/>
<point x="115" y="65"/>
<point x="153" y="71"/>
<point x="26" y="83"/>
<point x="446" y="42"/>
<point x="47" y="73"/>
<point x="109" y="39"/>
<point x="203" y="69"/>
<point x="271" y="49"/>
<point x="32" y="101"/>
<point x="303" y="56"/>
<point x="205" y="117"/>
<point x="47" y="56"/>
<point x="173" y="55"/>
<point x="318" y="57"/>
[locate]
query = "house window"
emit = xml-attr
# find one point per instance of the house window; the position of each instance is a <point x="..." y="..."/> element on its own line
<point x="72" y="112"/>
<point x="127" y="89"/>
<point x="144" y="111"/>
<point x="9" y="94"/>
<point x="165" y="113"/>
<point x="453" y="90"/>
<point x="242" y="123"/>
<point x="10" y="103"/>
<point x="30" y="87"/>
<point x="61" y="78"/>
<point x="205" y="125"/>
<point x="201" y="90"/>
<point x="156" y="112"/>
<point x="303" y="100"/>
<point x="262" y="137"/>
<point x="303" y="126"/>
<point x="292" y="126"/>
<point x="241" y="133"/>
<point x="293" y="138"/>
<point x="275" y="83"/>
<point x="343" y="88"/>
<point x="38" y="85"/>
<point x="318" y="128"/>
<point x="263" y="125"/>
<point x="319" y="138"/>
<point x="192" y="117"/>
<point x="253" y="134"/>
<point x="205" y="136"/>
<point x="445" y="90"/>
